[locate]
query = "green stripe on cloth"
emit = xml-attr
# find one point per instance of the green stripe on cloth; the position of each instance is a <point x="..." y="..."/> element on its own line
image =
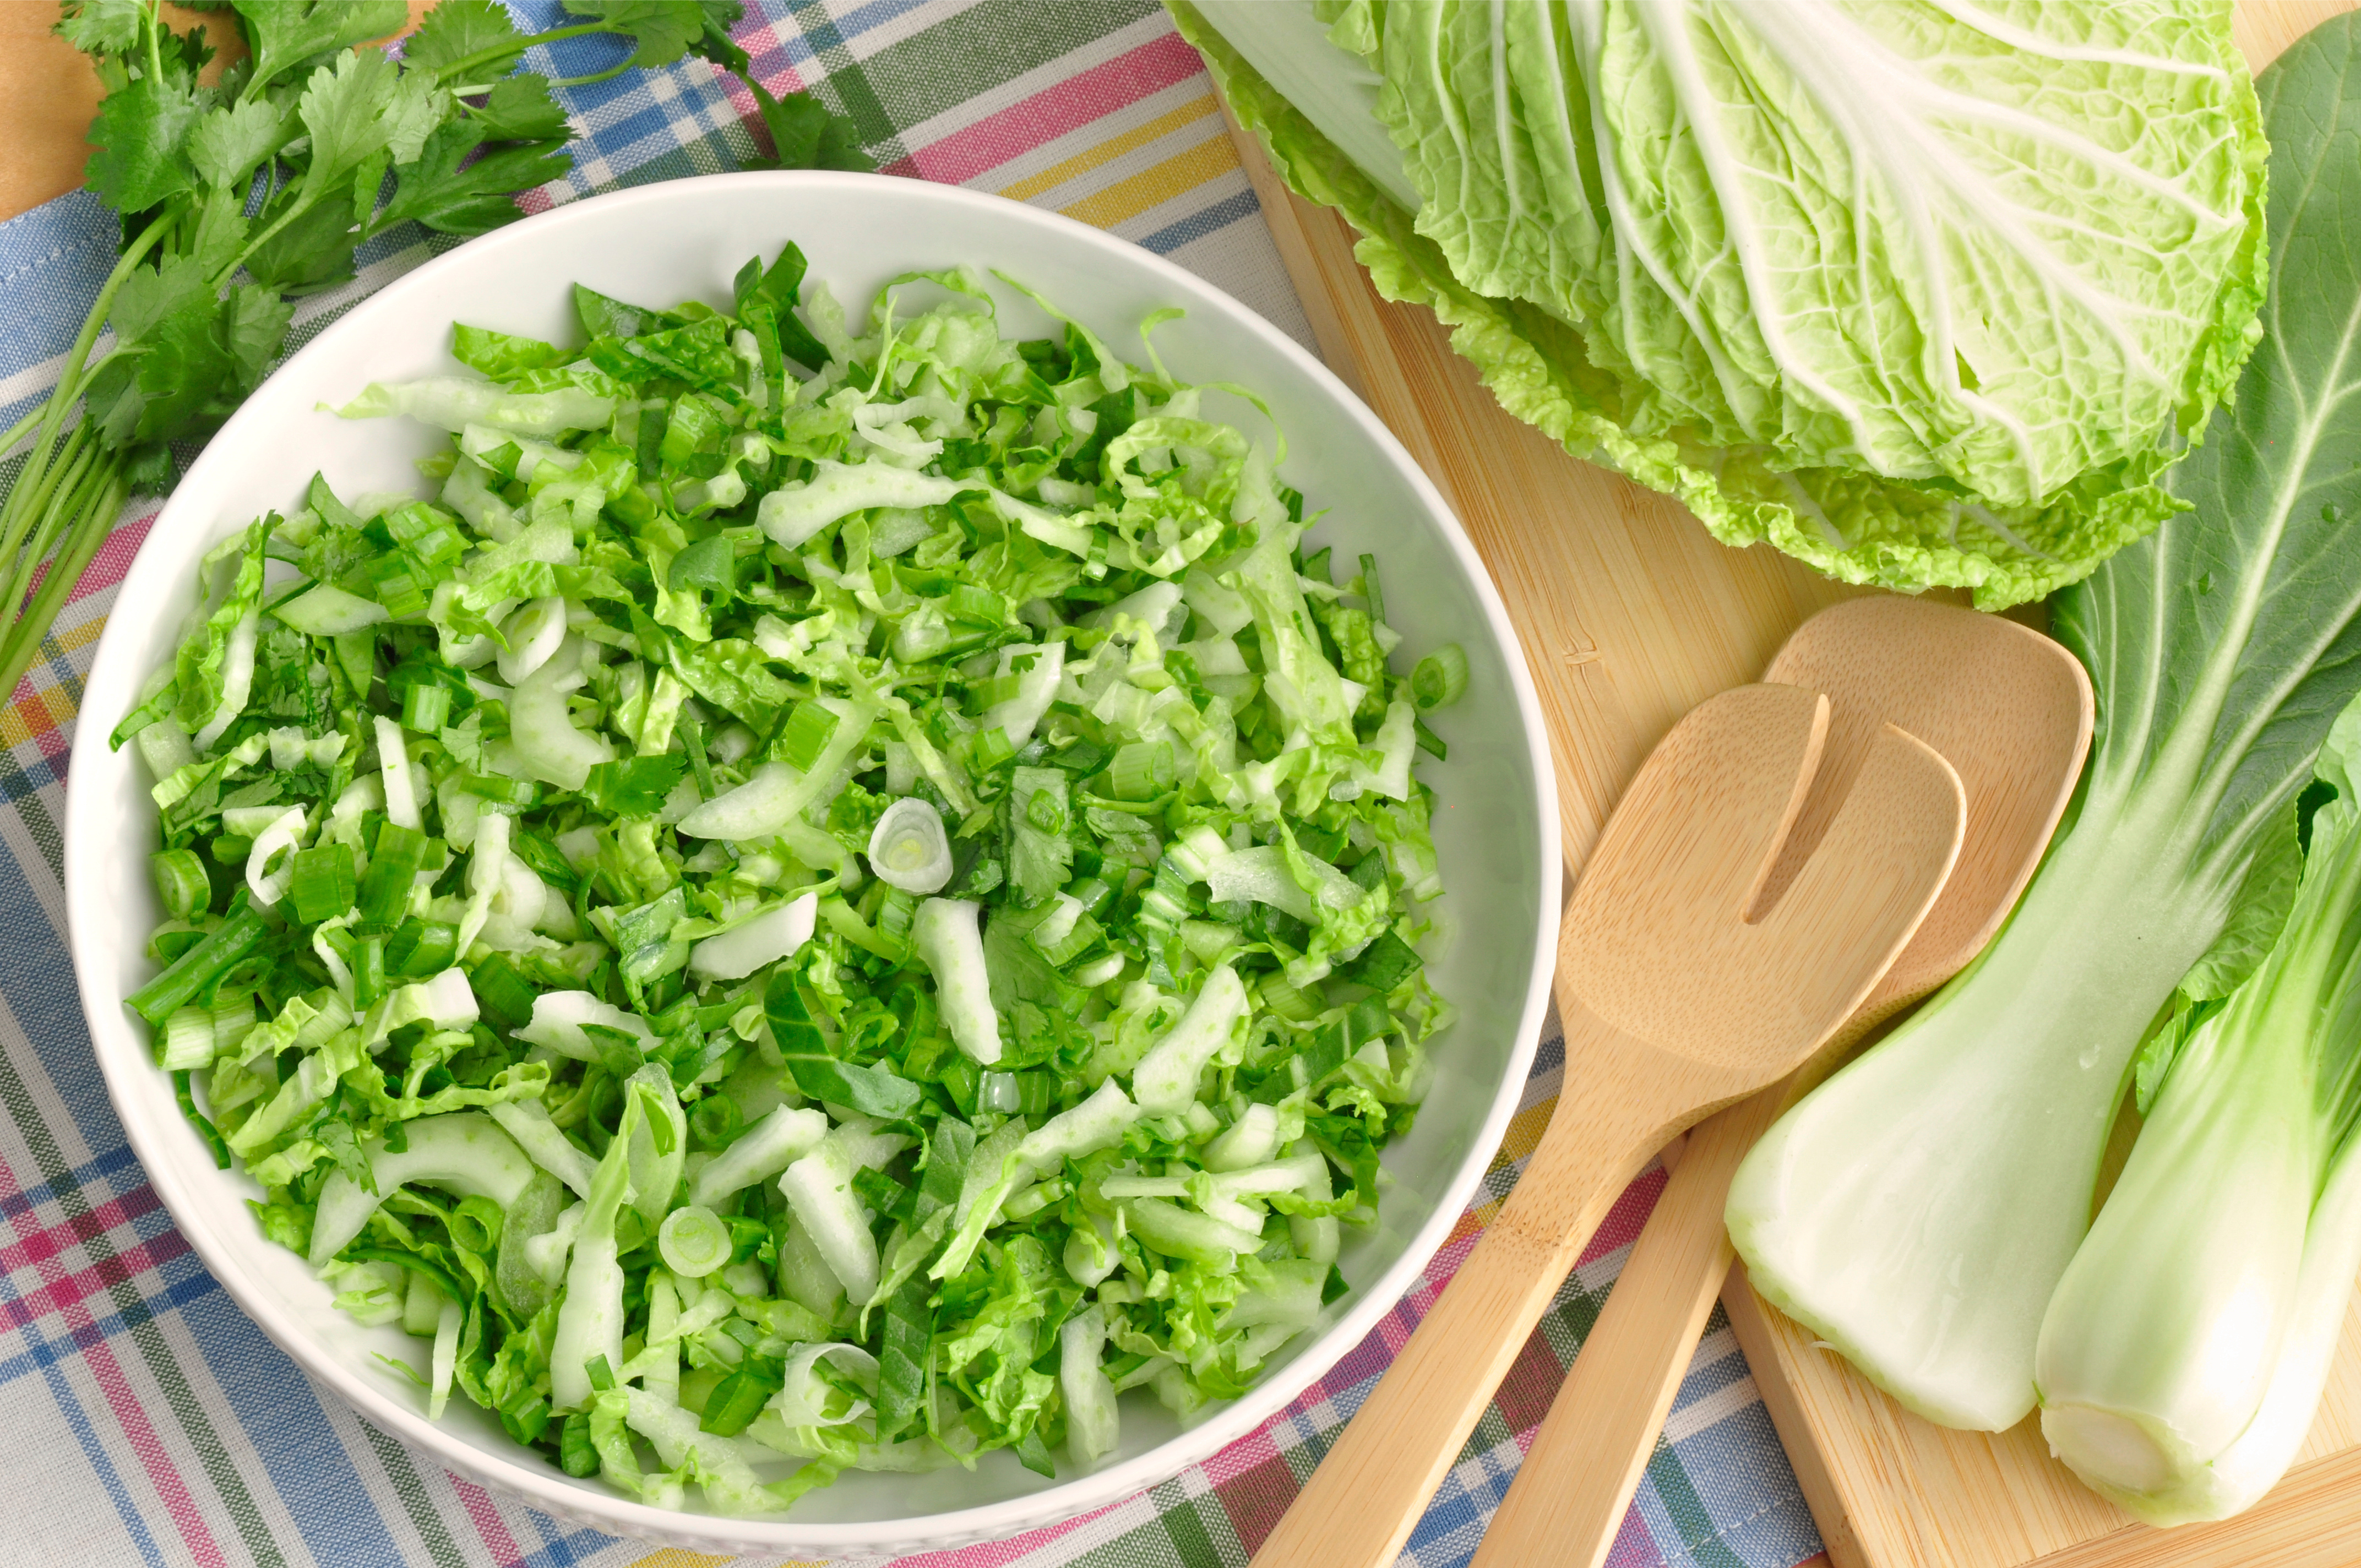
<point x="423" y="1515"/>
<point x="156" y="1356"/>
<point x="967" y="55"/>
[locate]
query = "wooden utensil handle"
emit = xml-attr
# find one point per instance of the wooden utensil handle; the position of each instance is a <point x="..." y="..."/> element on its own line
<point x="1372" y="1487"/>
<point x="1570" y="1496"/>
<point x="1568" y="1500"/>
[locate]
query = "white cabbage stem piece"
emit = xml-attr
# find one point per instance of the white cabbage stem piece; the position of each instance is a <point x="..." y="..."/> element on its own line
<point x="465" y="1151"/>
<point x="950" y="944"/>
<point x="767" y="938"/>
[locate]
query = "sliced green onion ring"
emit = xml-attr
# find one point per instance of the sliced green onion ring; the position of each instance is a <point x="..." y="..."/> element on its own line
<point x="278" y="842"/>
<point x="1440" y="678"/>
<point x="180" y="882"/>
<point x="693" y="1241"/>
<point x="909" y="849"/>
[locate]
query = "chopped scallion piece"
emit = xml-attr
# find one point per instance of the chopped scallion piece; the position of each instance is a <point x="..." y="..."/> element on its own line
<point x="1441" y="678"/>
<point x="182" y="883"/>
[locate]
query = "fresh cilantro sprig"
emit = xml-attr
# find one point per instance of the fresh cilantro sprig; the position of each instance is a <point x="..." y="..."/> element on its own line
<point x="239" y="196"/>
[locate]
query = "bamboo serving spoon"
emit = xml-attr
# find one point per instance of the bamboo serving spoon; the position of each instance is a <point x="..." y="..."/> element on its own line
<point x="1686" y="979"/>
<point x="2011" y="710"/>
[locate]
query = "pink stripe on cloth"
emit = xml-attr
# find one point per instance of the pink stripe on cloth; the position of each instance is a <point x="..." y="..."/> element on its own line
<point x="63" y="1292"/>
<point x="161" y="1471"/>
<point x="1622" y="1227"/>
<point x="1248" y="1453"/>
<point x="99" y="1356"/>
<point x="33" y="1245"/>
<point x="490" y="1525"/>
<point x="113" y="561"/>
<point x="994" y="1553"/>
<point x="1053" y="111"/>
<point x="1635" y="1546"/>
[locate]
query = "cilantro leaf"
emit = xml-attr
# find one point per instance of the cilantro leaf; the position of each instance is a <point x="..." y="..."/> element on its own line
<point x="103" y="26"/>
<point x="359" y="104"/>
<point x="840" y="148"/>
<point x="804" y="135"/>
<point x="286" y="33"/>
<point x="254" y="324"/>
<point x="152" y="293"/>
<point x="439" y="193"/>
<point x="634" y="787"/>
<point x="185" y="358"/>
<point x="458" y="31"/>
<point x="141" y="134"/>
<point x="227" y="146"/>
<point x="221" y="228"/>
<point x="520" y="109"/>
<point x="661" y="30"/>
<point x="314" y="249"/>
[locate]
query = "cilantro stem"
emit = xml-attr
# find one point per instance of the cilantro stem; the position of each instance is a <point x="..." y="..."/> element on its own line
<point x="71" y="377"/>
<point x="50" y="461"/>
<point x="37" y="491"/>
<point x="151" y="27"/>
<point x="21" y="428"/>
<point x="516" y="49"/>
<point x="294" y="209"/>
<point x="57" y="483"/>
<point x="61" y="507"/>
<point x="103" y="498"/>
<point x="609" y="74"/>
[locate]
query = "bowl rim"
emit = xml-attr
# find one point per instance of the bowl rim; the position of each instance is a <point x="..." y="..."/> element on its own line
<point x="135" y="1097"/>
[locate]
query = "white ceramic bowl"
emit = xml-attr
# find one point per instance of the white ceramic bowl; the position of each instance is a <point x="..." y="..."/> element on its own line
<point x="1496" y="831"/>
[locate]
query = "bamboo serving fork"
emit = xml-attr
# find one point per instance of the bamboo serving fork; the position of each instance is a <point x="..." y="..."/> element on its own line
<point x="1696" y="966"/>
<point x="2011" y="711"/>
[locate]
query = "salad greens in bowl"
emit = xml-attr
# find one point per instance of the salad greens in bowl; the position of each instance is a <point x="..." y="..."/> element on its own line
<point x="805" y="861"/>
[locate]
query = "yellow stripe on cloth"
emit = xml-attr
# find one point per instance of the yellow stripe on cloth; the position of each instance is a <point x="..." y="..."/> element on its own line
<point x="52" y="706"/>
<point x="1209" y="159"/>
<point x="1109" y="151"/>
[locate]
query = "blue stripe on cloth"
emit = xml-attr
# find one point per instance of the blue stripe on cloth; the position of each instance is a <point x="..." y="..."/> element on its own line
<point x="279" y="1412"/>
<point x="798" y="47"/>
<point x="88" y="1172"/>
<point x="189" y="1282"/>
<point x="36" y="977"/>
<point x="1707" y="1378"/>
<point x="1197" y="225"/>
<point x="58" y="253"/>
<point x="1452" y="1528"/>
<point x="102" y="1464"/>
<point x="563" y="1551"/>
<point x="1737" y="1473"/>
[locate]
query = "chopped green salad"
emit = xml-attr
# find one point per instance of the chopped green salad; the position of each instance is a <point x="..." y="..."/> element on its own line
<point x="830" y="902"/>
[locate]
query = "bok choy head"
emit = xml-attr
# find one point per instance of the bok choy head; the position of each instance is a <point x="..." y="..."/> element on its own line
<point x="1919" y="1208"/>
<point x="2185" y="1351"/>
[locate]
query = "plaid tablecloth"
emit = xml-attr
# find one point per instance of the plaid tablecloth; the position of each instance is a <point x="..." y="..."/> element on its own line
<point x="143" y="1420"/>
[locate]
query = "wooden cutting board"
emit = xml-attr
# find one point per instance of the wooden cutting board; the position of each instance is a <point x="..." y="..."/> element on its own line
<point x="1631" y="614"/>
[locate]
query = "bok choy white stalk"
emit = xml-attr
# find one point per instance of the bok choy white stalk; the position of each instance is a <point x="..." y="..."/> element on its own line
<point x="2184" y="1353"/>
<point x="1919" y="1208"/>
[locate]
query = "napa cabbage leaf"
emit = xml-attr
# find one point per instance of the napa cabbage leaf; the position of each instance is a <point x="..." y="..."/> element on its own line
<point x="1923" y="295"/>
